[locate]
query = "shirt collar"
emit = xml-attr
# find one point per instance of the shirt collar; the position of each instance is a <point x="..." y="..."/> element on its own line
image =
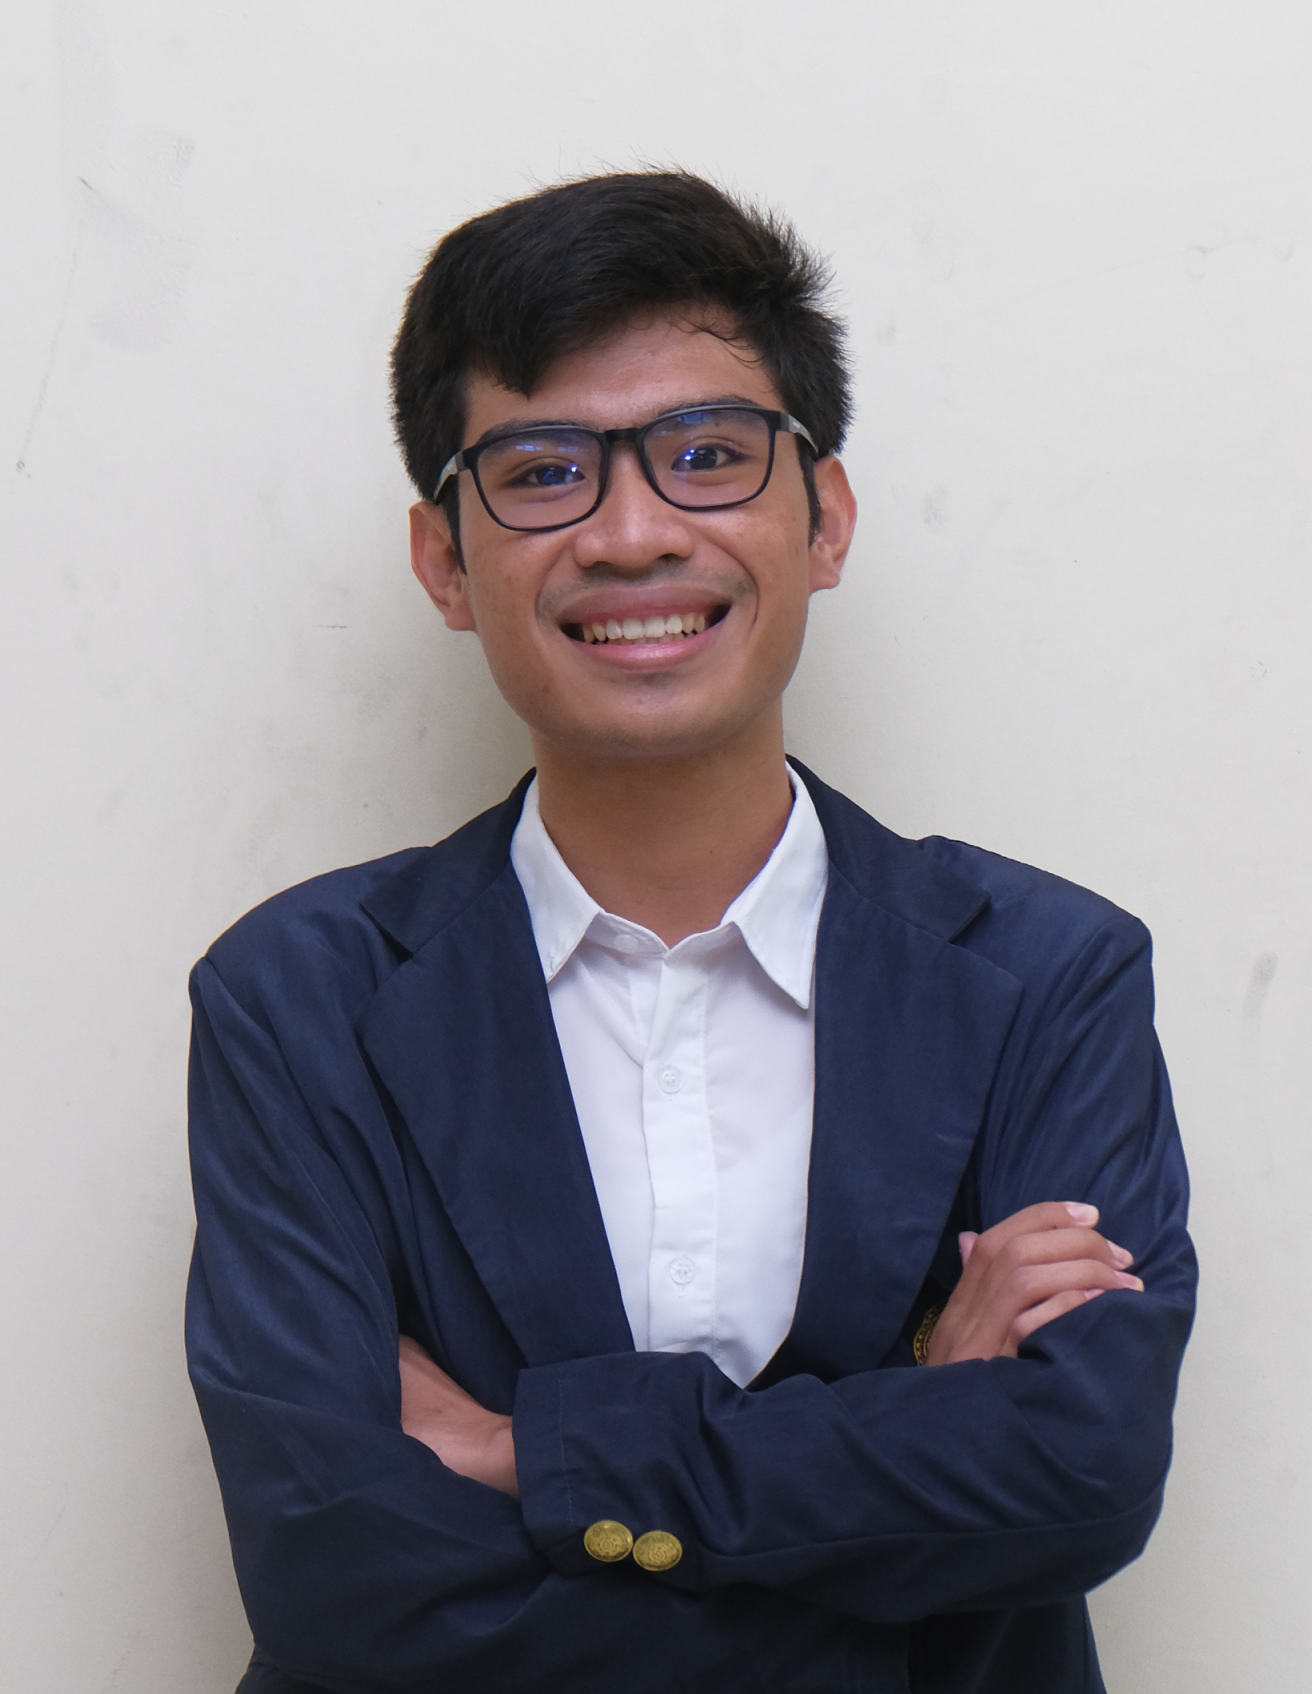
<point x="777" y="914"/>
<point x="559" y="905"/>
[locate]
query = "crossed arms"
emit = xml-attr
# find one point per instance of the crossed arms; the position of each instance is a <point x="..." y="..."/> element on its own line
<point x="1033" y="1267"/>
<point x="817" y="1516"/>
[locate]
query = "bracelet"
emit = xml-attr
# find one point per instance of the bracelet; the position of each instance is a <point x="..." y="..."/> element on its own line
<point x="920" y="1346"/>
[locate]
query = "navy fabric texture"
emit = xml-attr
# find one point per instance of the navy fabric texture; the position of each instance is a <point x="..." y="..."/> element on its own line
<point x="383" y="1140"/>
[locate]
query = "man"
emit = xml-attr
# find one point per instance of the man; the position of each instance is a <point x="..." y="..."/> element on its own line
<point x="580" y="1198"/>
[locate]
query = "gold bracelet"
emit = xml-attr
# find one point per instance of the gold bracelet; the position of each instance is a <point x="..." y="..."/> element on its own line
<point x="920" y="1346"/>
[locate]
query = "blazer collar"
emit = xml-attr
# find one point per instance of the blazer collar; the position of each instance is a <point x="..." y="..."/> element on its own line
<point x="891" y="872"/>
<point x="416" y="904"/>
<point x="909" y="1029"/>
<point x="437" y="886"/>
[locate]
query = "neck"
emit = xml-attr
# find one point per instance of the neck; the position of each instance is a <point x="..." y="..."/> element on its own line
<point x="668" y="843"/>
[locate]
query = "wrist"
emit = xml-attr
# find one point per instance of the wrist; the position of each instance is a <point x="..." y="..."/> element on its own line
<point x="503" y="1472"/>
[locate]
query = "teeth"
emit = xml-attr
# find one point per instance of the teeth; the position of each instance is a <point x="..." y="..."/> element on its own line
<point x="672" y="627"/>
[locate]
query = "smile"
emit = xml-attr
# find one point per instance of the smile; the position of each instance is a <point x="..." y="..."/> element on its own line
<point x="660" y="627"/>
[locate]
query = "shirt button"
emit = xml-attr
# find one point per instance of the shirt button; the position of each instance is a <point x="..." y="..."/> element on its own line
<point x="670" y="1079"/>
<point x="682" y="1271"/>
<point x="626" y="943"/>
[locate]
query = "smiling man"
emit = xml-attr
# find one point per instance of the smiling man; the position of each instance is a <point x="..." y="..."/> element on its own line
<point x="580" y="1199"/>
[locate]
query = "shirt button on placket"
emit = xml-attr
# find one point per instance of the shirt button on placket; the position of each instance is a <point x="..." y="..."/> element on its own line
<point x="682" y="1272"/>
<point x="670" y="1078"/>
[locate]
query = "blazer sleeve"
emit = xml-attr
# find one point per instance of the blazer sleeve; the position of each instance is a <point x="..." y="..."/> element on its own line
<point x="364" y="1564"/>
<point x="895" y="1493"/>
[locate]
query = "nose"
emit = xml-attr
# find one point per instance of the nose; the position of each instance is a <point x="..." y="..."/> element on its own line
<point x="633" y="528"/>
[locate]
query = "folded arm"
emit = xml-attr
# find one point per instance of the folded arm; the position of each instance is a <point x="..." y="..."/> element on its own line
<point x="365" y="1564"/>
<point x="1027" y="1472"/>
<point x="368" y="1564"/>
<point x="1023" y="1273"/>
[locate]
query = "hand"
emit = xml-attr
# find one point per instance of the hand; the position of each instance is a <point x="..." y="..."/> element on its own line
<point x="1025" y="1271"/>
<point x="467" y="1438"/>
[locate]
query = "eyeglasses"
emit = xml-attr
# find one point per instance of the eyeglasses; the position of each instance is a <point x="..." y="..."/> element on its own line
<point x="549" y="476"/>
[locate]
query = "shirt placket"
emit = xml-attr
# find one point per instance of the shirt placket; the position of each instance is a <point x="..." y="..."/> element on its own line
<point x="681" y="1161"/>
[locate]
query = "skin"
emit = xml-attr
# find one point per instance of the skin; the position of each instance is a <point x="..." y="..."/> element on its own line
<point x="661" y="765"/>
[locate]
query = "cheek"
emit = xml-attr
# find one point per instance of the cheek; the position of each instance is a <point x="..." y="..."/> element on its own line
<point x="503" y="603"/>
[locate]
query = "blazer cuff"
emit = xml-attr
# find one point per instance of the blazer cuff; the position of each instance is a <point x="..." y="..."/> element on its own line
<point x="560" y="1411"/>
<point x="545" y="1496"/>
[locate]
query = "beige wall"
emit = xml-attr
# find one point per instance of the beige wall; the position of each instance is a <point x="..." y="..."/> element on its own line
<point x="1073" y="244"/>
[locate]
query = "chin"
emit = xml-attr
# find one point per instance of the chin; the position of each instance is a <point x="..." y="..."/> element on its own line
<point x="690" y="736"/>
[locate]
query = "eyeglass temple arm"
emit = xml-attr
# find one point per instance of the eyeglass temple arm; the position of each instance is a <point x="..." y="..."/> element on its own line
<point x="454" y="465"/>
<point x="787" y="423"/>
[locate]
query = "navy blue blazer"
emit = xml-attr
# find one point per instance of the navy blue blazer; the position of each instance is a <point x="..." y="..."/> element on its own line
<point x="383" y="1140"/>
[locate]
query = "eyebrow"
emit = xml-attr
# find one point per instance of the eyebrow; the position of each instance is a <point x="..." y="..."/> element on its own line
<point x="698" y="405"/>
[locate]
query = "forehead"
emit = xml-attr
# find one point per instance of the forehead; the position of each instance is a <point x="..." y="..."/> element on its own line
<point x="648" y="366"/>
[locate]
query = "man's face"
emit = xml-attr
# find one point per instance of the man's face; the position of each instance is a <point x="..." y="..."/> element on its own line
<point x="745" y="574"/>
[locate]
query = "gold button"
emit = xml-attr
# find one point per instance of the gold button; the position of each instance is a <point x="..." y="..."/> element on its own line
<point x="608" y="1541"/>
<point x="657" y="1550"/>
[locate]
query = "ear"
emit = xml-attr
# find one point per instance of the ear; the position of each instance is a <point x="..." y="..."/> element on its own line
<point x="433" y="560"/>
<point x="837" y="522"/>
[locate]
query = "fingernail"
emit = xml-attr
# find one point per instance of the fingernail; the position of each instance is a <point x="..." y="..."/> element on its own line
<point x="1093" y="1293"/>
<point x="1128" y="1281"/>
<point x="1120" y="1255"/>
<point x="1082" y="1213"/>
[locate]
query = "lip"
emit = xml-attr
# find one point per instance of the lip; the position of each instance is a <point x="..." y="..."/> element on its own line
<point x="650" y="601"/>
<point x="652" y="655"/>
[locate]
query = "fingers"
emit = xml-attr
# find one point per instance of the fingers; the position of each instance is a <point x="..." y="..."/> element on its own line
<point x="1049" y="1214"/>
<point x="1052" y="1245"/>
<point x="1026" y="1324"/>
<point x="1058" y="1304"/>
<point x="1034" y="1284"/>
<point x="1041" y="1234"/>
<point x="1022" y="1273"/>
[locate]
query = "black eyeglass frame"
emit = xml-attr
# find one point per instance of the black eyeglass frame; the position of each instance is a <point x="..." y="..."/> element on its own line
<point x="468" y="457"/>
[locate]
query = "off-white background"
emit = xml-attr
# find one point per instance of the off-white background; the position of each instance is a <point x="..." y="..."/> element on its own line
<point x="1074" y="246"/>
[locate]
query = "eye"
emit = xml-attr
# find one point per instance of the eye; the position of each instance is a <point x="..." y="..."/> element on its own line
<point x="549" y="476"/>
<point x="706" y="456"/>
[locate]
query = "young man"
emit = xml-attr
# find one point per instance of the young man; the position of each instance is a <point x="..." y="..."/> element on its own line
<point x="579" y="1198"/>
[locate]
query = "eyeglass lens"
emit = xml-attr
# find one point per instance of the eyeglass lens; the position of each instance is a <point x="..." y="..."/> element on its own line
<point x="544" y="477"/>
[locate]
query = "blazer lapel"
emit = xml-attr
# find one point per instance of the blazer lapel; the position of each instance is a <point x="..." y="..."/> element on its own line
<point x="909" y="1029"/>
<point x="463" y="1039"/>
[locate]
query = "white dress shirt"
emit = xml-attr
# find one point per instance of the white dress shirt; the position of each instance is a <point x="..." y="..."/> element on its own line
<point x="693" y="1074"/>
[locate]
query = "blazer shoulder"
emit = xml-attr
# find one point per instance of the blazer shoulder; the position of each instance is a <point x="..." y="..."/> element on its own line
<point x="348" y="930"/>
<point x="320" y="925"/>
<point x="1035" y="923"/>
<point x="964" y="894"/>
<point x="1010" y="883"/>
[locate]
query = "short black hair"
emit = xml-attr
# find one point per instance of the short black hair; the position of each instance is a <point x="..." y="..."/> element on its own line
<point x="509" y="292"/>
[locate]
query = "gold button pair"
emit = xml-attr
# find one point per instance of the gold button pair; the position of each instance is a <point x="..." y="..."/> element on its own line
<point x="610" y="1542"/>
